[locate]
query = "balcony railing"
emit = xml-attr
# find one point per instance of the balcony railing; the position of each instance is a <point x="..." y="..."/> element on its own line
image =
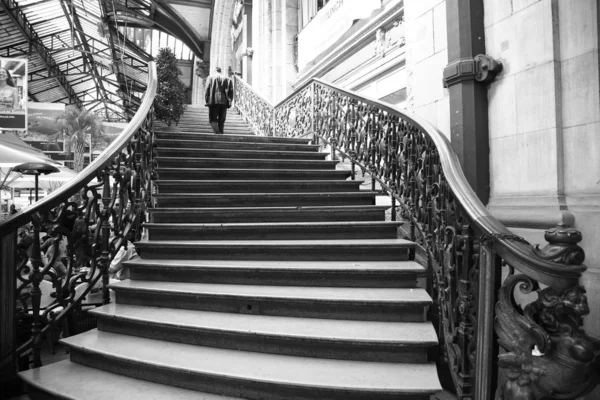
<point x="475" y="263"/>
<point x="92" y="217"/>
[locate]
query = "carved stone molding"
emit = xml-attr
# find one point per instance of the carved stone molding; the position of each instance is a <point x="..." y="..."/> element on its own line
<point x="548" y="355"/>
<point x="562" y="246"/>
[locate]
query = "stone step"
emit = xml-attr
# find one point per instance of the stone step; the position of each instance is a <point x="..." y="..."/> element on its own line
<point x="183" y="162"/>
<point x="166" y="173"/>
<point x="296" y="250"/>
<point x="256" y="186"/>
<point x="186" y="135"/>
<point x="206" y="129"/>
<point x="273" y="230"/>
<point x="267" y="214"/>
<point x="265" y="199"/>
<point x="223" y="145"/>
<point x="68" y="380"/>
<point x="348" y="303"/>
<point x="251" y="375"/>
<point x="280" y="273"/>
<point x="321" y="338"/>
<point x="229" y="153"/>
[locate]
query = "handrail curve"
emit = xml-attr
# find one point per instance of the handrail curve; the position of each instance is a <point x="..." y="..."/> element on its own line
<point x="466" y="249"/>
<point x="89" y="173"/>
<point x="520" y="255"/>
<point x="82" y="236"/>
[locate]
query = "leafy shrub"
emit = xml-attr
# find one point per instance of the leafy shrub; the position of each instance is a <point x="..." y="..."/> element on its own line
<point x="169" y="103"/>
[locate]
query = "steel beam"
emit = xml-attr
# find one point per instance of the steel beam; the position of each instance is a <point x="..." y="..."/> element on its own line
<point x="20" y="20"/>
<point x="82" y="40"/>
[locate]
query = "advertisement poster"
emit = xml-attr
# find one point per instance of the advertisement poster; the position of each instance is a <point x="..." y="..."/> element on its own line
<point x="13" y="93"/>
<point x="41" y="122"/>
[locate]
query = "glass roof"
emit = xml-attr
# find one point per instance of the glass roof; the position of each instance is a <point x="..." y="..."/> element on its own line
<point x="75" y="56"/>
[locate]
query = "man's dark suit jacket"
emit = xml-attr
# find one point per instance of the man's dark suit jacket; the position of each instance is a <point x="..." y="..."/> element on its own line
<point x="218" y="90"/>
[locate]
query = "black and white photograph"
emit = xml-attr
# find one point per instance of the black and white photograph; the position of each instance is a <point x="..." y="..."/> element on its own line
<point x="300" y="200"/>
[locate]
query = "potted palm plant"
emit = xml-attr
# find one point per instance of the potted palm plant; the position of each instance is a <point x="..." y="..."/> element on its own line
<point x="77" y="126"/>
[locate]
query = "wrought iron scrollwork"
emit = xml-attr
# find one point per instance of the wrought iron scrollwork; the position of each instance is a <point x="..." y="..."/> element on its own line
<point x="548" y="355"/>
<point x="255" y="110"/>
<point x="414" y="164"/>
<point x="67" y="240"/>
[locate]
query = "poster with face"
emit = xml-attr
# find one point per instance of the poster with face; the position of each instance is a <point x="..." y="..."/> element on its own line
<point x="13" y="93"/>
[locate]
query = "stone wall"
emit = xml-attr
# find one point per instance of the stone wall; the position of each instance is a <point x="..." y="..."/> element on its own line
<point x="544" y="113"/>
<point x="426" y="58"/>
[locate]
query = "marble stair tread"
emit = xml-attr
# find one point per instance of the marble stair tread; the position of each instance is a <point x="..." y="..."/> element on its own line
<point x="240" y="152"/>
<point x="281" y="209"/>
<point x="231" y="137"/>
<point x="260" y="367"/>
<point x="288" y="243"/>
<point x="291" y="225"/>
<point x="399" y="333"/>
<point x="283" y="245"/>
<point x="68" y="380"/>
<point x="343" y="173"/>
<point x="360" y="193"/>
<point x="246" y="144"/>
<point x="334" y="266"/>
<point x="297" y="293"/>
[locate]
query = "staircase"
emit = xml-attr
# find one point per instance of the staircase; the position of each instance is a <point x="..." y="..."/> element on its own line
<point x="266" y="274"/>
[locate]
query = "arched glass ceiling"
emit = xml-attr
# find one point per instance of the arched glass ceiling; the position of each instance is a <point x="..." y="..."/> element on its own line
<point x="151" y="40"/>
<point x="78" y="54"/>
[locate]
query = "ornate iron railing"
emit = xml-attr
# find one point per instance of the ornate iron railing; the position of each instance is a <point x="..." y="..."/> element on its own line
<point x="86" y="222"/>
<point x="468" y="251"/>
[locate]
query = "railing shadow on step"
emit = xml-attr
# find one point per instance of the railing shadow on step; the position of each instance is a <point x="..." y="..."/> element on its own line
<point x="475" y="263"/>
<point x="95" y="215"/>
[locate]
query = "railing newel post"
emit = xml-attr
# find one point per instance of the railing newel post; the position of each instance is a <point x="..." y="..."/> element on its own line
<point x="105" y="251"/>
<point x="36" y="278"/>
<point x="490" y="270"/>
<point x="394" y="161"/>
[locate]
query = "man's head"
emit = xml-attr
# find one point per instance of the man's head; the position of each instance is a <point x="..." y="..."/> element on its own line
<point x="218" y="69"/>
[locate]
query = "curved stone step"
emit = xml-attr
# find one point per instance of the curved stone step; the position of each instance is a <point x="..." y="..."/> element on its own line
<point x="256" y="186"/>
<point x="188" y="135"/>
<point x="245" y="145"/>
<point x="252" y="375"/>
<point x="273" y="230"/>
<point x="267" y="214"/>
<point x="230" y="153"/>
<point x="321" y="338"/>
<point x="299" y="250"/>
<point x="367" y="304"/>
<point x="68" y="380"/>
<point x="165" y="173"/>
<point x="225" y="163"/>
<point x="265" y="199"/>
<point x="390" y="274"/>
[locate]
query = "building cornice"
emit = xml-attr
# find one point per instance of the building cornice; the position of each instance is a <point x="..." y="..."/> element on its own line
<point x="338" y="53"/>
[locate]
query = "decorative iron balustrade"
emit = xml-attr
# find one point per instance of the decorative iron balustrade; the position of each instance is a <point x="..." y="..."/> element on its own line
<point x="86" y="222"/>
<point x="547" y="355"/>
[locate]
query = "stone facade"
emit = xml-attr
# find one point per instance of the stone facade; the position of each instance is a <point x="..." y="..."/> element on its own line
<point x="544" y="107"/>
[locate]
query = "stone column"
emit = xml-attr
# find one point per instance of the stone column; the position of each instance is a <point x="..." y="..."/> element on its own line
<point x="221" y="51"/>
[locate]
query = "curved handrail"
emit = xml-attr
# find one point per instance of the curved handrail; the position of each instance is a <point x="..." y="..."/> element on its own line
<point x="516" y="252"/>
<point x="89" y="173"/>
<point x="92" y="230"/>
<point x="463" y="245"/>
